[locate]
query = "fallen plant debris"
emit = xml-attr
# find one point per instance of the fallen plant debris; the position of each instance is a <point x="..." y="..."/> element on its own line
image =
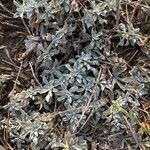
<point x="74" y="75"/>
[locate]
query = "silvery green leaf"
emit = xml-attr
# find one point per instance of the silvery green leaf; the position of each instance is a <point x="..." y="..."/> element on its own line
<point x="143" y="91"/>
<point x="72" y="117"/>
<point x="127" y="42"/>
<point x="132" y="41"/>
<point x="21" y="8"/>
<point x="128" y="34"/>
<point x="122" y="27"/>
<point x="34" y="146"/>
<point x="77" y="143"/>
<point x="54" y="142"/>
<point x="66" y="7"/>
<point x="89" y="19"/>
<point x="68" y="66"/>
<point x="99" y="8"/>
<point x="49" y="96"/>
<point x="36" y="133"/>
<point x="95" y="71"/>
<point x="79" y="80"/>
<point x="32" y="42"/>
<point x="35" y="140"/>
<point x="61" y="98"/>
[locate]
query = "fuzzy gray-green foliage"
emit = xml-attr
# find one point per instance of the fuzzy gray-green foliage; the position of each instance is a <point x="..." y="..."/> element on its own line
<point x="77" y="72"/>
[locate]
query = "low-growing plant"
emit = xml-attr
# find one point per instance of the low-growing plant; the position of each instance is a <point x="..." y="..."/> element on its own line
<point x="79" y="72"/>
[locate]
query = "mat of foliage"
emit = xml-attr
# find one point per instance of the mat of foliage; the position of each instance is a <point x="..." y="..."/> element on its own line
<point x="77" y="75"/>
